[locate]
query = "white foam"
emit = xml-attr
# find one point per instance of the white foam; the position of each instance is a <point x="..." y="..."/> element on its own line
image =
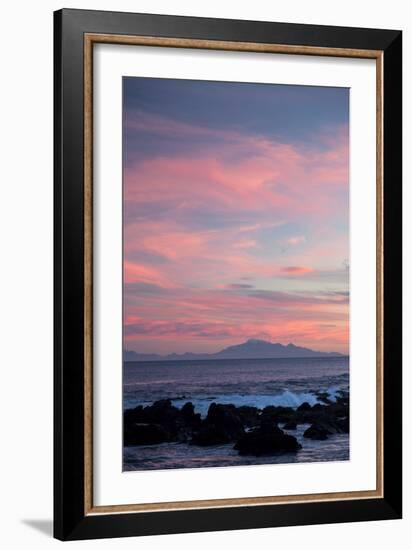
<point x="285" y="399"/>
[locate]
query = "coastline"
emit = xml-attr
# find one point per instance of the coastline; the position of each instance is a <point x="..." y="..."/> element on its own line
<point x="163" y="436"/>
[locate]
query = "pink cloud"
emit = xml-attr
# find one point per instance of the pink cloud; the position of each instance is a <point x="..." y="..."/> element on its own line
<point x="296" y="270"/>
<point x="191" y="316"/>
<point x="199" y="266"/>
<point x="139" y="273"/>
<point x="245" y="171"/>
<point x="298" y="239"/>
<point x="245" y="243"/>
<point x="196" y="334"/>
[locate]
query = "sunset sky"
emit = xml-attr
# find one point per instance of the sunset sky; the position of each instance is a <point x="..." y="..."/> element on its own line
<point x="236" y="215"/>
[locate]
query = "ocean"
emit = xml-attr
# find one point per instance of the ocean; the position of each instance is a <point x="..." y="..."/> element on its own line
<point x="257" y="382"/>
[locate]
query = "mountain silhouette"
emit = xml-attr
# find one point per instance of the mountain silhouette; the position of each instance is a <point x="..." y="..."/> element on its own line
<point x="251" y="349"/>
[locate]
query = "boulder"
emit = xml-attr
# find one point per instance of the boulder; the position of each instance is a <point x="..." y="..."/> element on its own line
<point x="225" y="418"/>
<point x="145" y="434"/>
<point x="250" y="416"/>
<point x="332" y="425"/>
<point x="159" y="422"/>
<point x="316" y="431"/>
<point x="278" y="413"/>
<point x="291" y="425"/>
<point x="132" y="416"/>
<point x="266" y="440"/>
<point x="208" y="435"/>
<point x="222" y="425"/>
<point x="343" y="424"/>
<point x="162" y="411"/>
<point x="189" y="417"/>
<point x="324" y="397"/>
<point x="305" y="406"/>
<point x="188" y="409"/>
<point x="318" y="408"/>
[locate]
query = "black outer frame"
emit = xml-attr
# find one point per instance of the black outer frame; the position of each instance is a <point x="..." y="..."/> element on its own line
<point x="70" y="522"/>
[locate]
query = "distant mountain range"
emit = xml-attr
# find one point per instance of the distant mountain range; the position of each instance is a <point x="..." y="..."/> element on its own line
<point x="251" y="349"/>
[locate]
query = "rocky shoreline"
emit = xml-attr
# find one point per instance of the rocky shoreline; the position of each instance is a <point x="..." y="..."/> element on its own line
<point x="251" y="431"/>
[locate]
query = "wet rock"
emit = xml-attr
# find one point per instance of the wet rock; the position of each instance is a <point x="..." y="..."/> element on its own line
<point x="315" y="431"/>
<point x="161" y="410"/>
<point x="145" y="434"/>
<point x="166" y="415"/>
<point x="250" y="416"/>
<point x="225" y="417"/>
<point x="132" y="416"/>
<point x="318" y="407"/>
<point x="291" y="425"/>
<point x="208" y="435"/>
<point x="324" y="397"/>
<point x="222" y="425"/>
<point x="343" y="424"/>
<point x="226" y="423"/>
<point x="159" y="422"/>
<point x="331" y="425"/>
<point x="338" y="409"/>
<point x="188" y="409"/>
<point x="305" y="406"/>
<point x="278" y="414"/>
<point x="266" y="440"/>
<point x="189" y="416"/>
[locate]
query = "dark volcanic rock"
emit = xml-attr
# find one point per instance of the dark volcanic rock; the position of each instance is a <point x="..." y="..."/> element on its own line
<point x="188" y="409"/>
<point x="316" y="432"/>
<point x="166" y="415"/>
<point x="222" y="425"/>
<point x="329" y="416"/>
<point x="158" y="423"/>
<point x="324" y="397"/>
<point x="208" y="435"/>
<point x="266" y="440"/>
<point x="304" y="407"/>
<point x="338" y="409"/>
<point x="343" y="424"/>
<point x="189" y="416"/>
<point x="291" y="425"/>
<point x="250" y="416"/>
<point x="162" y="421"/>
<point x="225" y="416"/>
<point x="162" y="411"/>
<point x="331" y="425"/>
<point x="134" y="415"/>
<point x="145" y="434"/>
<point x="327" y="419"/>
<point x="278" y="414"/>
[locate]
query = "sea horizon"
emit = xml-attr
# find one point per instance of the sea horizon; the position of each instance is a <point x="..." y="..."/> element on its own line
<point x="205" y="359"/>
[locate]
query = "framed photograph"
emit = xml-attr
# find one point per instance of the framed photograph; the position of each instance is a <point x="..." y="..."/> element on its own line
<point x="227" y="274"/>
